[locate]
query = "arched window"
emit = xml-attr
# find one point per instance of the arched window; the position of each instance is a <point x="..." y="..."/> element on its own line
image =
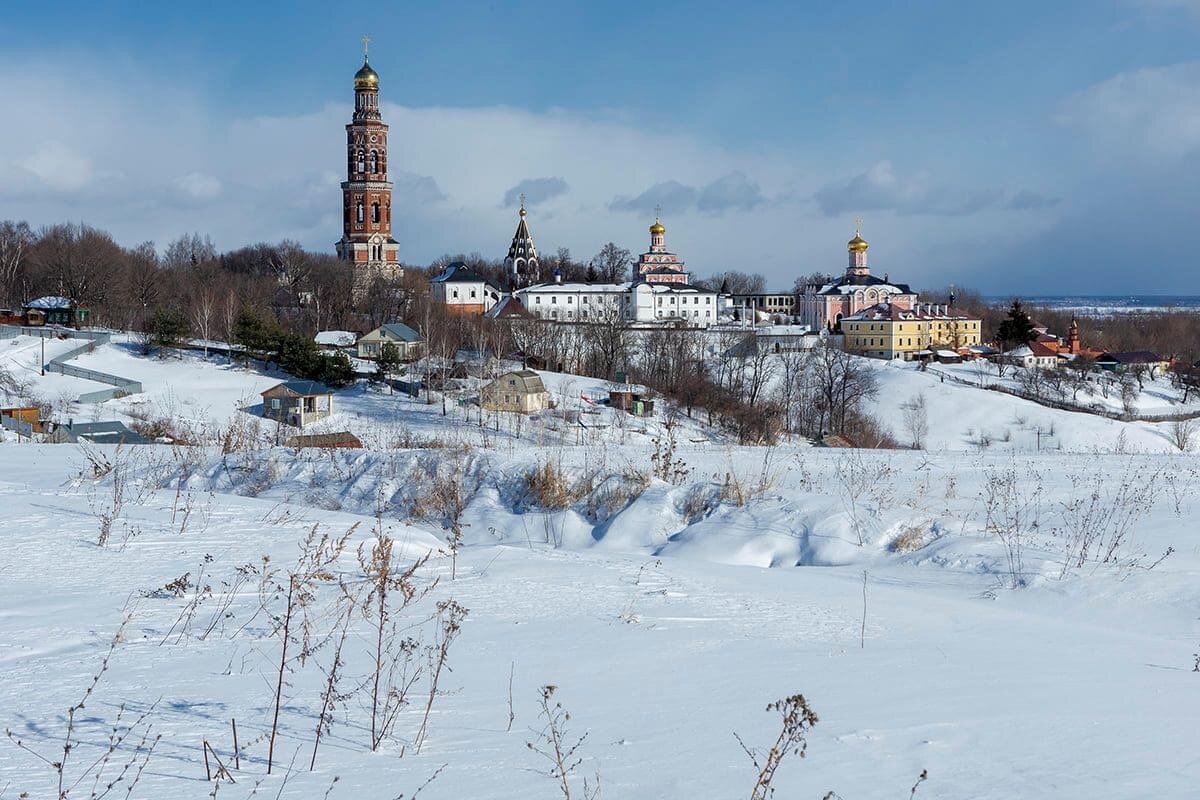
<point x="374" y="161"/>
<point x="359" y="212"/>
<point x="362" y="164"/>
<point x="375" y="213"/>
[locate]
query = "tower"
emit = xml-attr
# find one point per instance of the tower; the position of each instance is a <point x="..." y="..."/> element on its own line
<point x="656" y="265"/>
<point x="367" y="241"/>
<point x="522" y="264"/>
<point x="857" y="249"/>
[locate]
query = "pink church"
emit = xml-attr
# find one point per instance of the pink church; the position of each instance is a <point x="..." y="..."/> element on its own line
<point x="657" y="265"/>
<point x="825" y="306"/>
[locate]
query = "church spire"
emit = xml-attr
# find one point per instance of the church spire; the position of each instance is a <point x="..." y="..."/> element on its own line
<point x="521" y="264"/>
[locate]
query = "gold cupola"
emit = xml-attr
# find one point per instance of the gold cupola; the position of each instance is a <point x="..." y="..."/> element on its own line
<point x="366" y="78"/>
<point x="658" y="229"/>
<point x="857" y="244"/>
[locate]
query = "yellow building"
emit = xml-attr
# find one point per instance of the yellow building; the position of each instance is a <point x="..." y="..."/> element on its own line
<point x="888" y="331"/>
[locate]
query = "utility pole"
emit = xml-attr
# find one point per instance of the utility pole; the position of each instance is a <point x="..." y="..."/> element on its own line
<point x="43" y="356"/>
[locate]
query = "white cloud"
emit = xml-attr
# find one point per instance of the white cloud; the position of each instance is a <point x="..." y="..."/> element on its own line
<point x="1146" y="113"/>
<point x="880" y="188"/>
<point x="199" y="185"/>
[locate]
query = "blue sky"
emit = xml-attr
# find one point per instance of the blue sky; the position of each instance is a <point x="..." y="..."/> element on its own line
<point x="1017" y="147"/>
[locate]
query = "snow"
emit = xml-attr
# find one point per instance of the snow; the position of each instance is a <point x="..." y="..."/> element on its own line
<point x="668" y="613"/>
<point x="663" y="637"/>
<point x="336" y="338"/>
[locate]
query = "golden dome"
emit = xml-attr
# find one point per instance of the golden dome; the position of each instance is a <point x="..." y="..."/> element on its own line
<point x="366" y="78"/>
<point x="658" y="229"/>
<point x="857" y="244"/>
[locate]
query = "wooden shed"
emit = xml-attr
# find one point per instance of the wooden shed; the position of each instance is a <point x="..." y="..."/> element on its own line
<point x="297" y="403"/>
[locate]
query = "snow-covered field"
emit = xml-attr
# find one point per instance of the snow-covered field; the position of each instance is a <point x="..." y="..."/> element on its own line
<point x="668" y="619"/>
<point x="669" y="591"/>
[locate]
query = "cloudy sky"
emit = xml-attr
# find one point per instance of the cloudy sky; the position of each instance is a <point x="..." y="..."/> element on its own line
<point x="1026" y="147"/>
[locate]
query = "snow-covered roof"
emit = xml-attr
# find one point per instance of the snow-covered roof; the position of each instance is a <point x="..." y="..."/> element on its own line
<point x="335" y="338"/>
<point x="577" y="286"/>
<point x="49" y="302"/>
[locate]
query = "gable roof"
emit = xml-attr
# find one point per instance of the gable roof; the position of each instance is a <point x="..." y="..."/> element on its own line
<point x="1132" y="357"/>
<point x="301" y="388"/>
<point x="458" y="272"/>
<point x="398" y="330"/>
<point x="508" y="306"/>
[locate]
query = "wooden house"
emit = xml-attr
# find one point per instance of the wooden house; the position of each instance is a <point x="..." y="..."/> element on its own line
<point x="51" y="310"/>
<point x="408" y="342"/>
<point x="297" y="403"/>
<point x="521" y="392"/>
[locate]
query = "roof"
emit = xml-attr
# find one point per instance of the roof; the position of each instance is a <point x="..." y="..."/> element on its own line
<point x="339" y="439"/>
<point x="301" y="388"/>
<point x="398" y="330"/>
<point x="49" y="302"/>
<point x="522" y="246"/>
<point x="895" y="313"/>
<point x="335" y="338"/>
<point x="527" y="381"/>
<point x="848" y="284"/>
<point x="508" y="306"/>
<point x="458" y="272"/>
<point x="1132" y="357"/>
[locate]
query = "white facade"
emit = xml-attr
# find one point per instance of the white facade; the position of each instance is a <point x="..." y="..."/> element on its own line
<point x="624" y="302"/>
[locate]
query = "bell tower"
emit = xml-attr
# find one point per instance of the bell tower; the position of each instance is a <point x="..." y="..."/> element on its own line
<point x="367" y="241"/>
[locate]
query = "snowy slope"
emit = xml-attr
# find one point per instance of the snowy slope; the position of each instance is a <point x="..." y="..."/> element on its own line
<point x="659" y="623"/>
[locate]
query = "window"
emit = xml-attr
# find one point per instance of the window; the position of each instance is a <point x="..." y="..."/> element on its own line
<point x="375" y="213"/>
<point x="455" y="294"/>
<point x="374" y="161"/>
<point x="362" y="164"/>
<point x="275" y="404"/>
<point x="358" y="213"/>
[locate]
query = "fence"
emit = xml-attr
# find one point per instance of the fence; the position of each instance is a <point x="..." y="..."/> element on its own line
<point x="122" y="386"/>
<point x="20" y="427"/>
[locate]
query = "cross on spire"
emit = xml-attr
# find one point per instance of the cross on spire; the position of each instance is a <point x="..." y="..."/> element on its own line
<point x="366" y="40"/>
<point x="658" y="212"/>
<point x="522" y="199"/>
<point x="858" y="225"/>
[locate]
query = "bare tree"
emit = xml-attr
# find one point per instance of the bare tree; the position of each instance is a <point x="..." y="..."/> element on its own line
<point x="916" y="420"/>
<point x="15" y="241"/>
<point x="1183" y="431"/>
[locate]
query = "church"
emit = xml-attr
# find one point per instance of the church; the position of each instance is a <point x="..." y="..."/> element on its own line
<point x="824" y="307"/>
<point x="367" y="242"/>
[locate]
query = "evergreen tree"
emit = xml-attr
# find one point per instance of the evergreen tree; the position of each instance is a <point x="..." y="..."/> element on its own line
<point x="1017" y="327"/>
<point x="168" y="327"/>
<point x="388" y="361"/>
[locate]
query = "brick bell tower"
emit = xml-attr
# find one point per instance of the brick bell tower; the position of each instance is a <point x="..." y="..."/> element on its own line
<point x="367" y="241"/>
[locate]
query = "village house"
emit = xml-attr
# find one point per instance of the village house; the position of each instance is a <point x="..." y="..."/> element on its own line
<point x="521" y="392"/>
<point x="1152" y="363"/>
<point x="1034" y="354"/>
<point x="408" y="342"/>
<point x="297" y="403"/>
<point x="890" y="331"/>
<point x="53" y="310"/>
